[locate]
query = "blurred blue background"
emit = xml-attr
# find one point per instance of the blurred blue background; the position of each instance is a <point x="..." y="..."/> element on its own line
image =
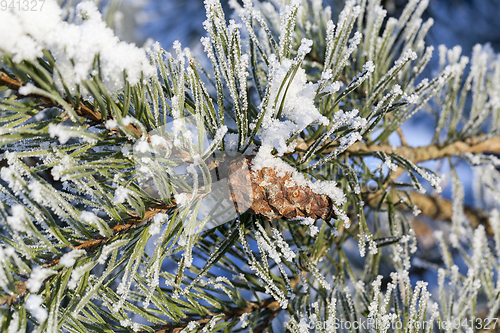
<point x="456" y="22"/>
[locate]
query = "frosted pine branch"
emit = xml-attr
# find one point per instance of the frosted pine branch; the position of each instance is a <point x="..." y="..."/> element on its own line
<point x="143" y="191"/>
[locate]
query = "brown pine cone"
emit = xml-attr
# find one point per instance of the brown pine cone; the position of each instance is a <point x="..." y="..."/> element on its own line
<point x="274" y="196"/>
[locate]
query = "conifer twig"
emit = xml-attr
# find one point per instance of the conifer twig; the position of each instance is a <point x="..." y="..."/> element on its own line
<point x="82" y="110"/>
<point x="120" y="228"/>
<point x="438" y="208"/>
<point x="268" y="304"/>
<point x="442" y="209"/>
<point x="91" y="243"/>
<point x="79" y="181"/>
<point x="477" y="144"/>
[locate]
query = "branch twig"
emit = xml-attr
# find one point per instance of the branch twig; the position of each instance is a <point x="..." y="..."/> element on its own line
<point x="425" y="153"/>
<point x="438" y="208"/>
<point x="442" y="209"/>
<point x="131" y="223"/>
<point x="269" y="304"/>
<point x="82" y="110"/>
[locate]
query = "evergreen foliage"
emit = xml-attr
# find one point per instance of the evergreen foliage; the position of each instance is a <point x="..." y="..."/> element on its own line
<point x="101" y="231"/>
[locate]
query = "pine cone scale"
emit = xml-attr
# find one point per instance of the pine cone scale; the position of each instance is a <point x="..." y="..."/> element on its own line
<point x="274" y="196"/>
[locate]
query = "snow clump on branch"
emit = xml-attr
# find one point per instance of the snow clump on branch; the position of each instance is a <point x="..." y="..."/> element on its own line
<point x="74" y="46"/>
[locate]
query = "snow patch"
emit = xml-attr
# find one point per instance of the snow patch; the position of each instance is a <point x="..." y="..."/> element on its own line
<point x="74" y="45"/>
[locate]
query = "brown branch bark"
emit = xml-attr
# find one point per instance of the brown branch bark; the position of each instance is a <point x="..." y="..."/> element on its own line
<point x="12" y="299"/>
<point x="425" y="153"/>
<point x="433" y="152"/>
<point x="438" y="208"/>
<point x="433" y="207"/>
<point x="131" y="223"/>
<point x="441" y="209"/>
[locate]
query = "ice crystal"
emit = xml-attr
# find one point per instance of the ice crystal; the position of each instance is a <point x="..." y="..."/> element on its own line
<point x="18" y="219"/>
<point x="37" y="277"/>
<point x="69" y="259"/>
<point x="77" y="274"/>
<point x="34" y="305"/>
